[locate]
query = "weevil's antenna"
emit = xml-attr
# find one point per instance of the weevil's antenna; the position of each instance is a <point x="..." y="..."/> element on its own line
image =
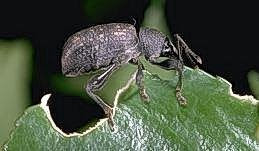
<point x="134" y="20"/>
<point x="135" y="24"/>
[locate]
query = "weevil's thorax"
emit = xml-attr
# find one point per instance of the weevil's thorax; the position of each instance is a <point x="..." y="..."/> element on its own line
<point x="151" y="42"/>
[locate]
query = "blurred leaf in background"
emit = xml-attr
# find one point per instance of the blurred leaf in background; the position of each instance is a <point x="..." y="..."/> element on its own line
<point x="253" y="80"/>
<point x="15" y="65"/>
<point x="97" y="10"/>
<point x="155" y="16"/>
<point x="70" y="86"/>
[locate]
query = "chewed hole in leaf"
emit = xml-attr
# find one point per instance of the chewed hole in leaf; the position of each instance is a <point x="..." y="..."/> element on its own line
<point x="74" y="114"/>
<point x="214" y="119"/>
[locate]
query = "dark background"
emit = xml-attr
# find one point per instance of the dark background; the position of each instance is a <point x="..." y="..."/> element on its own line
<point x="223" y="33"/>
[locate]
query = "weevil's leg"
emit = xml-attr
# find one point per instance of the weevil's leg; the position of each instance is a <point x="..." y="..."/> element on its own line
<point x="179" y="50"/>
<point x="174" y="64"/>
<point x="140" y="82"/>
<point x="96" y="83"/>
<point x="190" y="54"/>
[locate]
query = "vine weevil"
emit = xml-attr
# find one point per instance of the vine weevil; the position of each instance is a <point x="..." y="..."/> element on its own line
<point x="106" y="47"/>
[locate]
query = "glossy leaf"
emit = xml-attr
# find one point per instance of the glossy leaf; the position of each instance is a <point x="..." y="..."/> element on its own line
<point x="214" y="119"/>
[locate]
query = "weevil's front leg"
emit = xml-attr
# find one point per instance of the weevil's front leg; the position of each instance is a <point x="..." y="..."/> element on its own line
<point x="140" y="82"/>
<point x="181" y="45"/>
<point x="174" y="64"/>
<point x="96" y="83"/>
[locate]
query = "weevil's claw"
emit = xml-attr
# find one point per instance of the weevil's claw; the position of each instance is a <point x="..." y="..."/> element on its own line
<point x="182" y="101"/>
<point x="196" y="67"/>
<point x="144" y="96"/>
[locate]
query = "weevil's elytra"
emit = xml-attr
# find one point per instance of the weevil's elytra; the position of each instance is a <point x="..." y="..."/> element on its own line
<point x="106" y="47"/>
<point x="95" y="47"/>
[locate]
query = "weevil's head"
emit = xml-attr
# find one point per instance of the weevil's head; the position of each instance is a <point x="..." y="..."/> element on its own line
<point x="73" y="59"/>
<point x="154" y="44"/>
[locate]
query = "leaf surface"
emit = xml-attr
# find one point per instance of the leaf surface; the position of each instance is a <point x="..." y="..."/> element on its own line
<point x="213" y="119"/>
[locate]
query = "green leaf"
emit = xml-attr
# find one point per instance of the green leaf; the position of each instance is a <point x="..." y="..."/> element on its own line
<point x="97" y="10"/>
<point x="15" y="75"/>
<point x="253" y="80"/>
<point x="215" y="119"/>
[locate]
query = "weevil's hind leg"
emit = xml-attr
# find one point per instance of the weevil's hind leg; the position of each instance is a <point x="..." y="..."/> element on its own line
<point x="96" y="83"/>
<point x="140" y="82"/>
<point x="181" y="45"/>
<point x="174" y="64"/>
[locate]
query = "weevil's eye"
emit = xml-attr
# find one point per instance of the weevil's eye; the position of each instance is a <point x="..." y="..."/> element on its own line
<point x="166" y="47"/>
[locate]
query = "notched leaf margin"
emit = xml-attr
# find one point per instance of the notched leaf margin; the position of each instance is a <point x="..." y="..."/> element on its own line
<point x="246" y="98"/>
<point x="45" y="107"/>
<point x="45" y="99"/>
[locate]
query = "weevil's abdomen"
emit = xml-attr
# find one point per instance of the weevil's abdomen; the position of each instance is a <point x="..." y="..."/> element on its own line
<point x="99" y="46"/>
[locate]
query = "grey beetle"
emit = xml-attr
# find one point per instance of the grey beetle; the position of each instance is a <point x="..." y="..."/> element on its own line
<point x="106" y="47"/>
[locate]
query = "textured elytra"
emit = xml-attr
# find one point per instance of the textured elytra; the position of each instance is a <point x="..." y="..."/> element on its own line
<point x="99" y="46"/>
